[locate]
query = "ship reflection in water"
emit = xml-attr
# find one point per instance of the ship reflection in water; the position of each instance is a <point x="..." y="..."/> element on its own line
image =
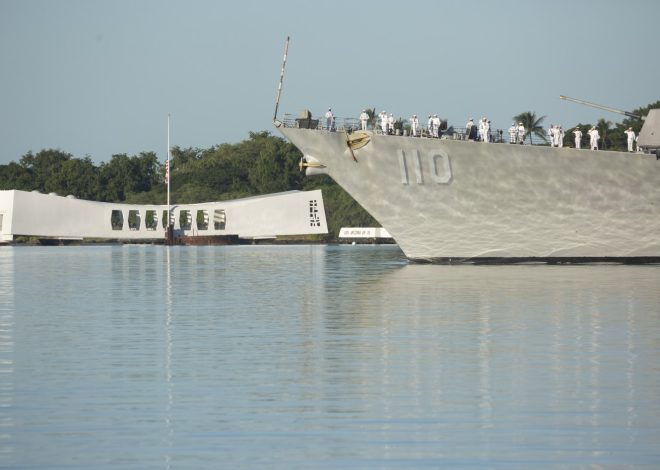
<point x="323" y="357"/>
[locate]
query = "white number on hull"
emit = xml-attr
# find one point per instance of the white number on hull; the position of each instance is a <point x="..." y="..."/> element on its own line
<point x="438" y="163"/>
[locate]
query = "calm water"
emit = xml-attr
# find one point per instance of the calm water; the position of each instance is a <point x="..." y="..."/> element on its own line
<point x="310" y="357"/>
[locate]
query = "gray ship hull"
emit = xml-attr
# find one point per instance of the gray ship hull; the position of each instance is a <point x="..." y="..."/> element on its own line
<point x="457" y="201"/>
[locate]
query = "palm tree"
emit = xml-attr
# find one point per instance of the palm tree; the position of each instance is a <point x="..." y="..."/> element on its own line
<point x="532" y="125"/>
<point x="604" y="128"/>
<point x="372" y="117"/>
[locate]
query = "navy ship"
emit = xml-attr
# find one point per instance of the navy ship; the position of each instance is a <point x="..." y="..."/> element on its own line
<point x="450" y="200"/>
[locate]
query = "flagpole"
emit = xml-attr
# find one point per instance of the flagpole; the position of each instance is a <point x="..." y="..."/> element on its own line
<point x="169" y="218"/>
<point x="169" y="231"/>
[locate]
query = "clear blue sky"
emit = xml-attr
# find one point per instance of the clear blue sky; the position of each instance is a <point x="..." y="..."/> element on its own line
<point x="98" y="78"/>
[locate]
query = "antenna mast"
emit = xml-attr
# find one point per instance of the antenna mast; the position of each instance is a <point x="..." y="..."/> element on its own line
<point x="279" y="88"/>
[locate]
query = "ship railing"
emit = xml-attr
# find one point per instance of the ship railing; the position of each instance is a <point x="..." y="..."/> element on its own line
<point x="353" y="124"/>
<point x="338" y="124"/>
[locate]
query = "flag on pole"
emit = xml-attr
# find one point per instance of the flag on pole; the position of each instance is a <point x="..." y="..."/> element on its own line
<point x="167" y="171"/>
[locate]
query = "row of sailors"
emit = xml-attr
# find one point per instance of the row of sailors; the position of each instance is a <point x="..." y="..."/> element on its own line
<point x="386" y="123"/>
<point x="594" y="137"/>
<point x="482" y="131"/>
<point x="555" y="133"/>
<point x="516" y="132"/>
<point x="556" y="137"/>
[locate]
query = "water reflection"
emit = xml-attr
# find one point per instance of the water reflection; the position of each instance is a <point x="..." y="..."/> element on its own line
<point x="168" y="357"/>
<point x="540" y="344"/>
<point x="325" y="356"/>
<point x="7" y="325"/>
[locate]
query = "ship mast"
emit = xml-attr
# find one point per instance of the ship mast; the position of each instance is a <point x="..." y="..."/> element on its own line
<point x="279" y="88"/>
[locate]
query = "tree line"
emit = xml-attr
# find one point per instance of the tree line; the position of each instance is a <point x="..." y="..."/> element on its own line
<point x="261" y="164"/>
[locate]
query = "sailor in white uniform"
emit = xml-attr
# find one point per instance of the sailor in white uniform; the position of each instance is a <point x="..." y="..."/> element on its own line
<point x="595" y="136"/>
<point x="468" y="128"/>
<point x="551" y="135"/>
<point x="485" y="129"/>
<point x="521" y="133"/>
<point x="364" y="118"/>
<point x="329" y="120"/>
<point x="429" y="125"/>
<point x="414" y="125"/>
<point x="560" y="136"/>
<point x="390" y="123"/>
<point x="578" y="137"/>
<point x="631" y="138"/>
<point x="436" y="126"/>
<point x="513" y="133"/>
<point x="383" y="122"/>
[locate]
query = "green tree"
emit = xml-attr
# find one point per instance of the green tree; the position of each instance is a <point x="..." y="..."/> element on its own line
<point x="148" y="171"/>
<point x="117" y="178"/>
<point x="604" y="129"/>
<point x="181" y="157"/>
<point x="44" y="167"/>
<point x="191" y="193"/>
<point x="15" y="176"/>
<point x="124" y="175"/>
<point x="532" y="125"/>
<point x="77" y="177"/>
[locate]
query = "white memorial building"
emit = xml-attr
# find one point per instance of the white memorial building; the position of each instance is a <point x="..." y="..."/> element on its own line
<point x="49" y="216"/>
